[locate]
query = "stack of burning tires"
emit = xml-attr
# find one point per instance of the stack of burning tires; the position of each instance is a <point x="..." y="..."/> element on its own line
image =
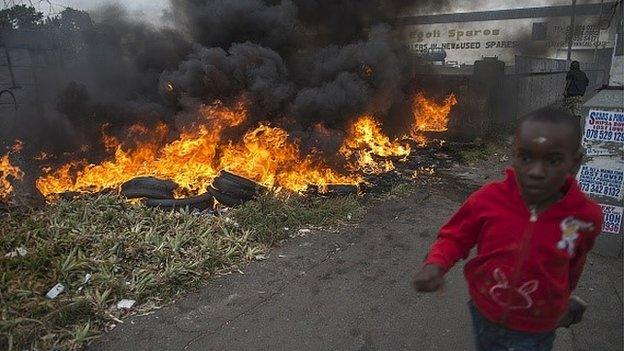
<point x="227" y="189"/>
<point x="232" y="190"/>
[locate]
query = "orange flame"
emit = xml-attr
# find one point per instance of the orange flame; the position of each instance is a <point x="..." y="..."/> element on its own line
<point x="265" y="154"/>
<point x="429" y="116"/>
<point x="268" y="157"/>
<point x="187" y="160"/>
<point x="366" y="140"/>
<point x="196" y="157"/>
<point x="8" y="171"/>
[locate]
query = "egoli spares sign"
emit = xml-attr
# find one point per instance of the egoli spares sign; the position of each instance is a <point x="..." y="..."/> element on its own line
<point x="612" y="218"/>
<point x="604" y="126"/>
<point x="601" y="181"/>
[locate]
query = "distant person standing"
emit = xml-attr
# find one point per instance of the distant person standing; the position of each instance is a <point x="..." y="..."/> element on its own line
<point x="576" y="84"/>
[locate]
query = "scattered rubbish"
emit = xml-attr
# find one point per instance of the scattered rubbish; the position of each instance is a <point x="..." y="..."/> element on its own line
<point x="349" y="217"/>
<point x="115" y="319"/>
<point x="282" y="256"/>
<point x="286" y="228"/>
<point x="229" y="220"/>
<point x="125" y="304"/>
<point x="304" y="231"/>
<point x="20" y="251"/>
<point x="55" y="291"/>
<point x="261" y="257"/>
<point x="86" y="280"/>
<point x="504" y="159"/>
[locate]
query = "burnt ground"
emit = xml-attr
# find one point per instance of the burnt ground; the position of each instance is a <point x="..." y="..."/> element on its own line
<point x="349" y="289"/>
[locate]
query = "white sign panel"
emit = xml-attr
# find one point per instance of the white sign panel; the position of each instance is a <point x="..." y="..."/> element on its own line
<point x="612" y="218"/>
<point x="601" y="181"/>
<point x="604" y="126"/>
<point x="466" y="42"/>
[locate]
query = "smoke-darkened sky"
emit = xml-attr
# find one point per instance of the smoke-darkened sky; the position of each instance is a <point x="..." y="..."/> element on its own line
<point x="152" y="10"/>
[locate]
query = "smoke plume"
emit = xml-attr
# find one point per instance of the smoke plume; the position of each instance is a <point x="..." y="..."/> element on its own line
<point x="298" y="64"/>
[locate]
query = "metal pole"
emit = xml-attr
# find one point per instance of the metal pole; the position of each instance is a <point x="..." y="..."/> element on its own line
<point x="599" y="30"/>
<point x="571" y="32"/>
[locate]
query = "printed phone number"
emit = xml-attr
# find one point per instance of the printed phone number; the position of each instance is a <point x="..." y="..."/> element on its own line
<point x="604" y="135"/>
<point x="600" y="189"/>
<point x="611" y="228"/>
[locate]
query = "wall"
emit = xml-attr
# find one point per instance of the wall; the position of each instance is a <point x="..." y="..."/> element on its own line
<point x="539" y="82"/>
<point x="28" y="64"/>
<point x="466" y="37"/>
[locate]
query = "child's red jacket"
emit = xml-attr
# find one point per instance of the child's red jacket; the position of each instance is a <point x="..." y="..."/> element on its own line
<point x="527" y="264"/>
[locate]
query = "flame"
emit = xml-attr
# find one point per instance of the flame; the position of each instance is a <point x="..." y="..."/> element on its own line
<point x="366" y="140"/>
<point x="188" y="160"/>
<point x="429" y="116"/>
<point x="267" y="156"/>
<point x="8" y="172"/>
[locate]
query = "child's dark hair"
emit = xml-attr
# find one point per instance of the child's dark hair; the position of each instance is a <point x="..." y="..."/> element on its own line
<point x="556" y="116"/>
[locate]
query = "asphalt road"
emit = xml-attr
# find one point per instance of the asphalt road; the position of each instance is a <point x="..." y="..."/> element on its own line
<point x="350" y="290"/>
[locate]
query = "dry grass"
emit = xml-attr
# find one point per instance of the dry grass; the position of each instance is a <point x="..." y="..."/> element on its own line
<point x="132" y="252"/>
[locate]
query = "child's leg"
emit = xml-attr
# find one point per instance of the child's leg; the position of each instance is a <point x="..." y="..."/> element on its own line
<point x="490" y="337"/>
<point x="477" y="326"/>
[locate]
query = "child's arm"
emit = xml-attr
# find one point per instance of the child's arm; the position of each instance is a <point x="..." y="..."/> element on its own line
<point x="456" y="238"/>
<point x="454" y="242"/>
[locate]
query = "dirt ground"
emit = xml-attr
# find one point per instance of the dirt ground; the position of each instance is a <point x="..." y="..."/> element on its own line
<point x="349" y="289"/>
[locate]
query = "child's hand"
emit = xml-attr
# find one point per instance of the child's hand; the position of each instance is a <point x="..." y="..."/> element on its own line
<point x="428" y="279"/>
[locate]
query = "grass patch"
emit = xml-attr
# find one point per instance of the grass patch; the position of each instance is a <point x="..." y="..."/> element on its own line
<point x="271" y="218"/>
<point x="132" y="252"/>
<point x="403" y="190"/>
<point x="478" y="153"/>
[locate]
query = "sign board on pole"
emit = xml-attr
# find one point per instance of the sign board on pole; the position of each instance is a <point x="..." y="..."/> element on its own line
<point x="602" y="174"/>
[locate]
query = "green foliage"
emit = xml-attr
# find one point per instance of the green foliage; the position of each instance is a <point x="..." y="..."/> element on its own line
<point x="132" y="252"/>
<point x="271" y="219"/>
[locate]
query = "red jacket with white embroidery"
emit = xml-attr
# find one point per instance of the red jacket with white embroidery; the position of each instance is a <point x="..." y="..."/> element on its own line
<point x="526" y="264"/>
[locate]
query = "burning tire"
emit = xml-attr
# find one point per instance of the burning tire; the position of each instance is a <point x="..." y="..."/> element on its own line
<point x="231" y="190"/>
<point x="148" y="187"/>
<point x="226" y="199"/>
<point x="236" y="189"/>
<point x="200" y="203"/>
<point x="238" y="181"/>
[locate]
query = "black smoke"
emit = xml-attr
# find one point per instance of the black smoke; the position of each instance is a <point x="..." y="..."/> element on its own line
<point x="299" y="63"/>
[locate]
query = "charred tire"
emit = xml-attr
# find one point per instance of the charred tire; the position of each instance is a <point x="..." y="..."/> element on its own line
<point x="148" y="187"/>
<point x="225" y="199"/>
<point x="238" y="180"/>
<point x="200" y="203"/>
<point x="228" y="187"/>
<point x="139" y="193"/>
<point x="149" y="183"/>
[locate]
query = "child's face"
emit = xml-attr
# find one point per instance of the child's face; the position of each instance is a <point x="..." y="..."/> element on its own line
<point x="545" y="153"/>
